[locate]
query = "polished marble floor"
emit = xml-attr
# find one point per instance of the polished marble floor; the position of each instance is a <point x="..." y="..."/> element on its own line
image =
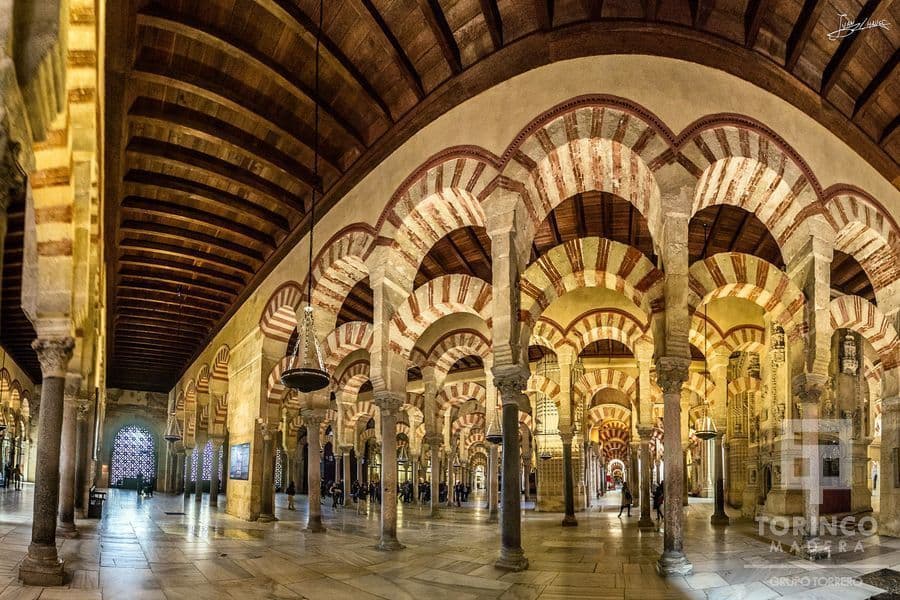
<point x="139" y="552"/>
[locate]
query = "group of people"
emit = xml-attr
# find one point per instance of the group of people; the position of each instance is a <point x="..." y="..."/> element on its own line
<point x="12" y="474"/>
<point x="145" y="487"/>
<point x="658" y="497"/>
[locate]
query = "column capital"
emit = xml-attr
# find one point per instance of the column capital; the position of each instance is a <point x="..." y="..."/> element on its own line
<point x="313" y="416"/>
<point x="808" y="387"/>
<point x="217" y="441"/>
<point x="645" y="432"/>
<point x="435" y="440"/>
<point x="511" y="381"/>
<point x="82" y="407"/>
<point x="54" y="355"/>
<point x="566" y="433"/>
<point x="390" y="403"/>
<point x="671" y="373"/>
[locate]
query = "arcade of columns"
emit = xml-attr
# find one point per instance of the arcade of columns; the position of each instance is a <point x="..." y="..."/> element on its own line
<point x="780" y="346"/>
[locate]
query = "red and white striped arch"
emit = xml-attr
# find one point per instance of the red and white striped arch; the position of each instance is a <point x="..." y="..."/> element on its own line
<point x="339" y="266"/>
<point x="458" y="393"/>
<point x="863" y="317"/>
<point x="349" y="337"/>
<point x="474" y="437"/>
<point x="203" y="380"/>
<point x="438" y="298"/>
<point x="589" y="147"/>
<point x="468" y="421"/>
<point x="609" y="412"/>
<point x="415" y="402"/>
<point x="615" y="437"/>
<point x="742" y="385"/>
<point x="607" y="324"/>
<point x="454" y="346"/>
<point x="353" y="377"/>
<point x="699" y="384"/>
<point x="866" y="233"/>
<point x="359" y="410"/>
<point x="595" y="380"/>
<point x="275" y="390"/>
<point x="544" y="385"/>
<point x="548" y="334"/>
<point x="736" y="275"/>
<point x="745" y="338"/>
<point x="279" y="318"/>
<point x="705" y="335"/>
<point x="220" y="364"/>
<point x="590" y="262"/>
<point x="439" y="199"/>
<point x="745" y="165"/>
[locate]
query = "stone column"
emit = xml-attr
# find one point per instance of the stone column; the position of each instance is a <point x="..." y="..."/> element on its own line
<point x="634" y="476"/>
<point x="526" y="467"/>
<point x="511" y="380"/>
<point x="198" y="480"/>
<point x="491" y="483"/>
<point x="671" y="373"/>
<point x="214" y="471"/>
<point x="82" y="458"/>
<point x="66" y="527"/>
<point x="267" y="493"/>
<point x="646" y="521"/>
<point x="313" y="420"/>
<point x="434" y="443"/>
<point x="179" y="471"/>
<point x="808" y="390"/>
<point x="188" y="471"/>
<point x="42" y="566"/>
<point x="390" y="404"/>
<point x="566" y="434"/>
<point x="889" y="467"/>
<point x="719" y="517"/>
<point x="345" y="461"/>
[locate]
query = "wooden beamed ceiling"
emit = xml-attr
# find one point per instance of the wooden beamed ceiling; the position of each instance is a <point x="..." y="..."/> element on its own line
<point x="210" y="135"/>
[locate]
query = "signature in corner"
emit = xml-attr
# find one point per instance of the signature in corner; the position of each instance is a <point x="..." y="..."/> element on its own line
<point x="847" y="27"/>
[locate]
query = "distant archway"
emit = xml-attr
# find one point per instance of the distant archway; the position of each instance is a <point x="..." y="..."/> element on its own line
<point x="133" y="454"/>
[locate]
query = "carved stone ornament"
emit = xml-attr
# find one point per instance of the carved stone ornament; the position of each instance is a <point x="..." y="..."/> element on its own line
<point x="54" y="355"/>
<point x="510" y="386"/>
<point x="849" y="361"/>
<point x="777" y="346"/>
<point x="82" y="406"/>
<point x="671" y="373"/>
<point x="390" y="403"/>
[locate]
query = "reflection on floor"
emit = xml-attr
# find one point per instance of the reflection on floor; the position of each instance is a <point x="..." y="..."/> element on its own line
<point x="139" y="552"/>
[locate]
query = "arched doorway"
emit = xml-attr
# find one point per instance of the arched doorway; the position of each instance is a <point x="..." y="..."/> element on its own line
<point x="133" y="454"/>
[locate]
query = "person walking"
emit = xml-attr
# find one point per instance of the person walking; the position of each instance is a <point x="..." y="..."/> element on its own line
<point x="626" y="499"/>
<point x="290" y="491"/>
<point x="17" y="477"/>
<point x="658" y="497"/>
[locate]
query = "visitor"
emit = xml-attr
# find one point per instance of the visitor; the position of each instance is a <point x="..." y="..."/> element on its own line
<point x="7" y="474"/>
<point x="290" y="491"/>
<point x="140" y="484"/>
<point x="151" y="486"/>
<point x="658" y="497"/>
<point x="626" y="499"/>
<point x="17" y="477"/>
<point x="337" y="494"/>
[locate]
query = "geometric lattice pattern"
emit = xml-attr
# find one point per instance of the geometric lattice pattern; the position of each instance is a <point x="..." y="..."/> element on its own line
<point x="134" y="452"/>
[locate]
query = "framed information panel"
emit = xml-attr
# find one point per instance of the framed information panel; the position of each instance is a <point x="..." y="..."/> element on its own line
<point x="239" y="463"/>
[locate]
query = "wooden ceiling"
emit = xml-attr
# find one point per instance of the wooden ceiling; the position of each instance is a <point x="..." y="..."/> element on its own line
<point x="16" y="329"/>
<point x="209" y="119"/>
<point x="727" y="228"/>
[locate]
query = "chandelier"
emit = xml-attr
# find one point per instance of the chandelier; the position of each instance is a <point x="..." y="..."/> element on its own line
<point x="173" y="431"/>
<point x="493" y="432"/>
<point x="306" y="370"/>
<point x="705" y="427"/>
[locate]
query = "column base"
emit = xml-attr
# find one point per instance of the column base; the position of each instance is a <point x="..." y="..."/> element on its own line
<point x="569" y="521"/>
<point x="646" y="524"/>
<point x="67" y="530"/>
<point x="389" y="544"/>
<point x="719" y="519"/>
<point x="511" y="559"/>
<point x="267" y="518"/>
<point x="42" y="567"/>
<point x="671" y="564"/>
<point x="314" y="526"/>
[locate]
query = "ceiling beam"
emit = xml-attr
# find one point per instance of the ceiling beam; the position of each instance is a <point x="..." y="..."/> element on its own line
<point x="482" y="251"/>
<point x="176" y="317"/>
<point x="178" y="293"/>
<point x="207" y="194"/>
<point x="180" y="267"/>
<point x="187" y="235"/>
<point x="212" y="165"/>
<point x="594" y="9"/>
<point x="873" y="10"/>
<point x="407" y="69"/>
<point x="256" y="60"/>
<point x="232" y="99"/>
<point x="186" y="252"/>
<point x="806" y="22"/>
<point x="543" y="10"/>
<point x="160" y="322"/>
<point x="889" y="72"/>
<point x="493" y="21"/>
<point x="196" y="218"/>
<point x="889" y="131"/>
<point x="334" y="55"/>
<point x="459" y="256"/>
<point x="192" y="309"/>
<point x="651" y="8"/>
<point x="141" y="275"/>
<point x="437" y="21"/>
<point x="216" y="132"/>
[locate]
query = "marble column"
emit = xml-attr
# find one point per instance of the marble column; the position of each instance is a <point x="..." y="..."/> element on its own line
<point x="434" y="443"/>
<point x="719" y="517"/>
<point x="526" y="468"/>
<point x="634" y="476"/>
<point x="889" y="466"/>
<point x="313" y="420"/>
<point x="566" y="434"/>
<point x="201" y="457"/>
<point x="646" y="520"/>
<point x="42" y="566"/>
<point x="267" y="493"/>
<point x="179" y="471"/>
<point x="491" y="482"/>
<point x="82" y="459"/>
<point x="671" y="373"/>
<point x="188" y="471"/>
<point x="214" y="472"/>
<point x="390" y="405"/>
<point x="511" y="380"/>
<point x="66" y="526"/>
<point x="345" y="461"/>
<point x="808" y="392"/>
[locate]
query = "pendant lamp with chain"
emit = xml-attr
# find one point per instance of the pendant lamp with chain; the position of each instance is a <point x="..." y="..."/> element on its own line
<point x="306" y="369"/>
<point x="2" y="408"/>
<point x="705" y="427"/>
<point x="173" y="430"/>
<point x="493" y="433"/>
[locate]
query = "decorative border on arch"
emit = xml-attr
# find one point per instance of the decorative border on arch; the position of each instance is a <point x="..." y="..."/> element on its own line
<point x="271" y="322"/>
<point x="863" y="317"/>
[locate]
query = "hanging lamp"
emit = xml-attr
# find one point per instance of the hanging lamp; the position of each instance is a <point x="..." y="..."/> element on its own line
<point x="545" y="453"/>
<point x="705" y="427"/>
<point x="173" y="430"/>
<point x="2" y="408"/>
<point x="403" y="455"/>
<point x="494" y="434"/>
<point x="306" y="369"/>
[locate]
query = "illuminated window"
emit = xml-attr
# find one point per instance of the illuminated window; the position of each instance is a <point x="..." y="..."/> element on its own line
<point x="134" y="452"/>
<point x="279" y="467"/>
